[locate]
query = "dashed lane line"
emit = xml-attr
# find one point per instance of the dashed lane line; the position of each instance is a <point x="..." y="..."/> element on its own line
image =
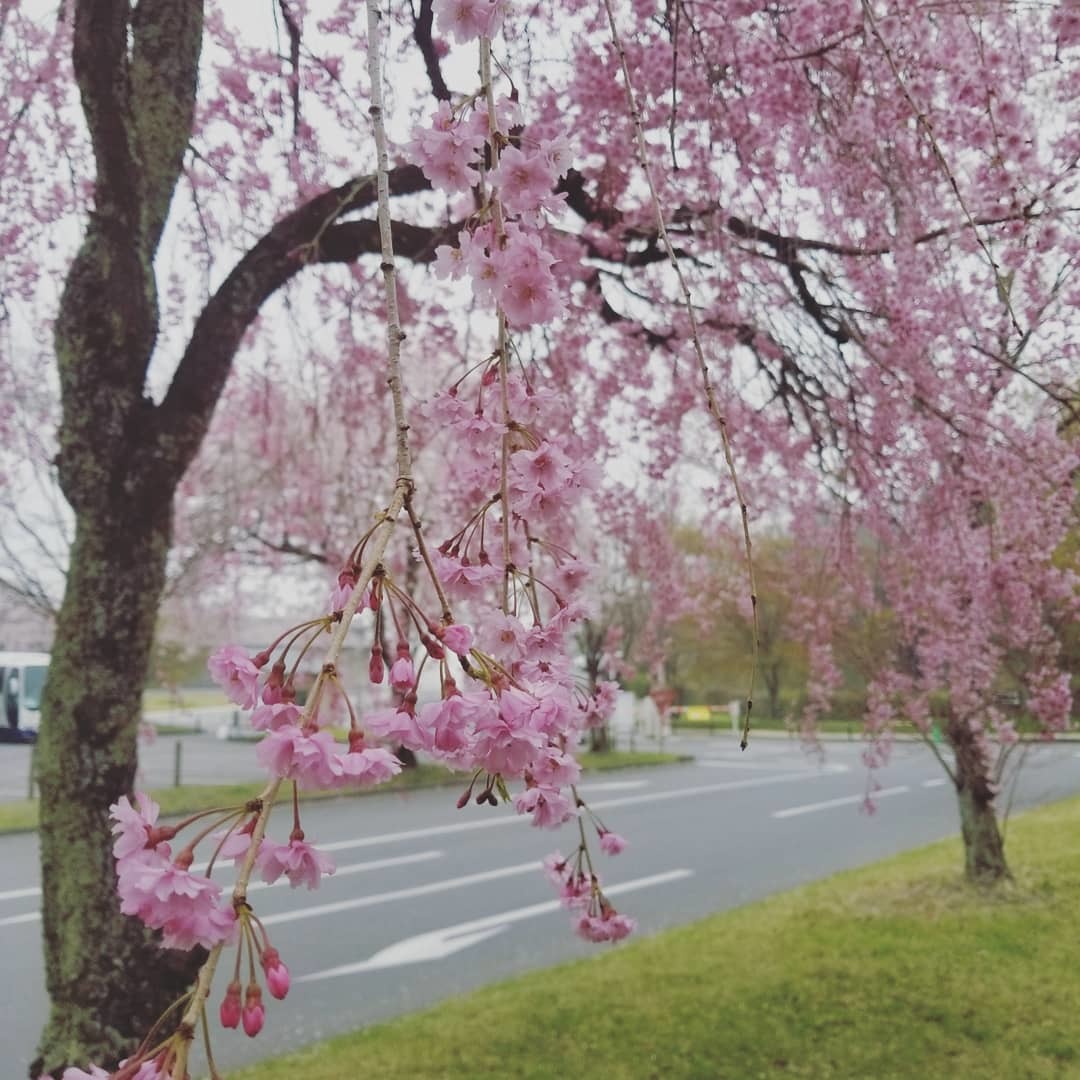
<point x="847" y="800"/>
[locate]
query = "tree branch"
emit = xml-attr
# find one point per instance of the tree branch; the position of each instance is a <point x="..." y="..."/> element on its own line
<point x="423" y="39"/>
<point x="166" y="44"/>
<point x="99" y="54"/>
<point x="293" y="243"/>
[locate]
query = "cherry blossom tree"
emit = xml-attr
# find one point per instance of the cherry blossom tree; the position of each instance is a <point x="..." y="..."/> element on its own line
<point x="786" y="255"/>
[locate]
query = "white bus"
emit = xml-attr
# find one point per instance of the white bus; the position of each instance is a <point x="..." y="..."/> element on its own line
<point x="22" y="677"/>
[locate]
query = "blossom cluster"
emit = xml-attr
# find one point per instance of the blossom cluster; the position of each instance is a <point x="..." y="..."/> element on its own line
<point x="163" y="891"/>
<point x="502" y="251"/>
<point x="595" y="918"/>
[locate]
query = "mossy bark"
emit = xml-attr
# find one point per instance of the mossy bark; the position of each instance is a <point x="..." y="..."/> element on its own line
<point x="120" y="460"/>
<point x="136" y="70"/>
<point x="984" y="849"/>
<point x="107" y="979"/>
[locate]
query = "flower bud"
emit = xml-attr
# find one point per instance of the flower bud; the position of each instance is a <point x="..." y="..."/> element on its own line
<point x="402" y="673"/>
<point x="376" y="666"/>
<point x="254" y="1014"/>
<point x="277" y="974"/>
<point x="230" y="1006"/>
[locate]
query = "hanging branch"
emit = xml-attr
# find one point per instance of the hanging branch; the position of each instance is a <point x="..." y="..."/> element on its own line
<point x="939" y="155"/>
<point x="699" y="352"/>
<point x="377" y="543"/>
<point x="495" y="144"/>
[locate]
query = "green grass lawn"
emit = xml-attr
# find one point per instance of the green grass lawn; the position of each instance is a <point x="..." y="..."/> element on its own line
<point x="158" y="700"/>
<point x="21" y="815"/>
<point x="899" y="970"/>
<point x="723" y="726"/>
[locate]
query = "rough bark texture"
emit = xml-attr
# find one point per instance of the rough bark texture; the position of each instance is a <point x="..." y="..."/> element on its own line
<point x="106" y="978"/>
<point x="984" y="849"/>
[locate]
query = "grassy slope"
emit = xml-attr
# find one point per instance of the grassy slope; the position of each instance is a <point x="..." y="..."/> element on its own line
<point x="22" y="814"/>
<point x="898" y="970"/>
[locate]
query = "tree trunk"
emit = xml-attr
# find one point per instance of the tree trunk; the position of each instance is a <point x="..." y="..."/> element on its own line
<point x="771" y="675"/>
<point x="599" y="742"/>
<point x="107" y="979"/>
<point x="136" y="67"/>
<point x="984" y="849"/>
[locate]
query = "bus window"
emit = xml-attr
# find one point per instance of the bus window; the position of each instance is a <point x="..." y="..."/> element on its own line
<point x="33" y="683"/>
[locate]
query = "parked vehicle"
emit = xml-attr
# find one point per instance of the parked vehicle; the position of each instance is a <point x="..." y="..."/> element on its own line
<point x="22" y="678"/>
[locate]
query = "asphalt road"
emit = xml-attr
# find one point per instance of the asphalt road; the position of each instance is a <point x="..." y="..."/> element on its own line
<point x="429" y="902"/>
<point x="203" y="759"/>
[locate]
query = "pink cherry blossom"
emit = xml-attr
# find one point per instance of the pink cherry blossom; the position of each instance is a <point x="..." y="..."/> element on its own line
<point x="132" y="826"/>
<point x="458" y="638"/>
<point x="503" y="741"/>
<point x="549" y="807"/>
<point x="468" y="577"/>
<point x="609" y="926"/>
<point x="446" y="150"/>
<point x="554" y="768"/>
<point x="576" y="891"/>
<point x="528" y="294"/>
<point x="396" y="726"/>
<point x="232" y="669"/>
<point x="364" y="765"/>
<point x="301" y="863"/>
<point x="170" y="898"/>
<point x="278" y="715"/>
<point x="556" y="868"/>
<point x="611" y="843"/>
<point x="524" y="181"/>
<point x="234" y="845"/>
<point x="294" y="753"/>
<point x="466" y="20"/>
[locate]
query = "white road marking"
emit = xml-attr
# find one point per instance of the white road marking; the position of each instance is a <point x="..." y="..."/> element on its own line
<point x="518" y="819"/>
<point x="833" y="768"/>
<point x="702" y="789"/>
<point x="601" y="804"/>
<point x="19" y="894"/>
<point x="847" y="800"/>
<point x="14" y="920"/>
<point x="437" y="944"/>
<point x="341" y="871"/>
<point x="613" y="785"/>
<point x="938" y="781"/>
<point x="403" y="894"/>
<point x="361" y="867"/>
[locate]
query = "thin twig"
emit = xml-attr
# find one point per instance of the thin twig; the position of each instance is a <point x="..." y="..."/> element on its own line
<point x="421" y="545"/>
<point x="699" y="352"/>
<point x="503" y="350"/>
